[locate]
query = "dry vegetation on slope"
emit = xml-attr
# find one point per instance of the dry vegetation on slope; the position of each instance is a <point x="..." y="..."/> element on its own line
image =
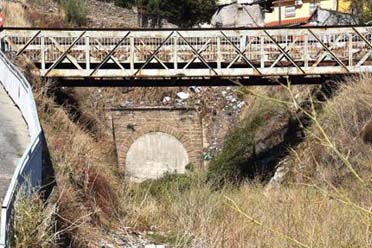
<point x="93" y="204"/>
<point x="327" y="202"/>
<point x="345" y="120"/>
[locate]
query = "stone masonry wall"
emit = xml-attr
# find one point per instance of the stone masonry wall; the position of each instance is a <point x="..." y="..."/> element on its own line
<point x="182" y="123"/>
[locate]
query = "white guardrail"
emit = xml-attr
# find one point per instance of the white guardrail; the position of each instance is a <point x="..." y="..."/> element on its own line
<point x="30" y="165"/>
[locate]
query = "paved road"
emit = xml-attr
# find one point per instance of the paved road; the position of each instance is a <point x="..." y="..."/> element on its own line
<point x="14" y="138"/>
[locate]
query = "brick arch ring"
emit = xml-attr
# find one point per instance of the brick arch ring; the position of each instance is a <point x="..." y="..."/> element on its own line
<point x="124" y="148"/>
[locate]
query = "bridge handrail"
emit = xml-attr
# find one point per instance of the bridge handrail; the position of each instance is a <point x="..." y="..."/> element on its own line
<point x="175" y="54"/>
<point x="30" y="165"/>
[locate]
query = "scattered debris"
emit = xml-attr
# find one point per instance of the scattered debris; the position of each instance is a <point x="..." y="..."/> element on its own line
<point x="207" y="156"/>
<point x="167" y="100"/>
<point x="196" y="89"/>
<point x="183" y="96"/>
<point x="127" y="103"/>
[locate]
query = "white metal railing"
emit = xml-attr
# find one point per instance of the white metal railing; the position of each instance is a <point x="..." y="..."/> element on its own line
<point x="193" y="54"/>
<point x="30" y="165"/>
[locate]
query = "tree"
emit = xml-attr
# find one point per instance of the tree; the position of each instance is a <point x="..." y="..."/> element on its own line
<point x="189" y="12"/>
<point x="362" y="9"/>
<point x="125" y="3"/>
<point x="186" y="13"/>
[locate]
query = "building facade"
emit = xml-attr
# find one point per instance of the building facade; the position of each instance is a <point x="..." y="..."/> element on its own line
<point x="295" y="12"/>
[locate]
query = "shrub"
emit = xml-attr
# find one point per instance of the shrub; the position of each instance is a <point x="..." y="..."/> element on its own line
<point x="246" y="148"/>
<point x="125" y="3"/>
<point x="234" y="163"/>
<point x="168" y="182"/>
<point x="75" y="11"/>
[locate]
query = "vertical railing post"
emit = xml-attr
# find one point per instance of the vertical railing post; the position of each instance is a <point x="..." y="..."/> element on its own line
<point x="262" y="51"/>
<point x="219" y="55"/>
<point x="243" y="41"/>
<point x="175" y="54"/>
<point x="132" y="51"/>
<point x="87" y="54"/>
<point x="350" y="49"/>
<point x="42" y="47"/>
<point x="306" y="50"/>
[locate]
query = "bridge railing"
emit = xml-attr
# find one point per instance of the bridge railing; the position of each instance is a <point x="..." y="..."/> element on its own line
<point x="230" y="53"/>
<point x="30" y="165"/>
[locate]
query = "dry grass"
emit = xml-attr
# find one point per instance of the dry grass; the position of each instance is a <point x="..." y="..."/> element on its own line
<point x="84" y="161"/>
<point x="306" y="213"/>
<point x="31" y="13"/>
<point x="90" y="195"/>
<point x="85" y="197"/>
<point x="34" y="224"/>
<point x="342" y="120"/>
<point x="16" y="14"/>
<point x="201" y="217"/>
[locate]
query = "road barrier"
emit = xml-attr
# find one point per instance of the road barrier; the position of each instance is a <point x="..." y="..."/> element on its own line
<point x="30" y="165"/>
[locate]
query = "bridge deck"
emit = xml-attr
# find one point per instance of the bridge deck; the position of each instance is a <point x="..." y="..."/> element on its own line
<point x="14" y="138"/>
<point x="193" y="55"/>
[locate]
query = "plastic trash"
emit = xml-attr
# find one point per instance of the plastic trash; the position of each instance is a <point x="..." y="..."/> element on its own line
<point x="183" y="96"/>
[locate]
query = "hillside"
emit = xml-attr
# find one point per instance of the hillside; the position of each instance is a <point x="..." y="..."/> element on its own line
<point x="49" y="13"/>
<point x="291" y="167"/>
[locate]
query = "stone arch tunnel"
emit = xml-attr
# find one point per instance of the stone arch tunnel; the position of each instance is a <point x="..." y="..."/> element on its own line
<point x="152" y="141"/>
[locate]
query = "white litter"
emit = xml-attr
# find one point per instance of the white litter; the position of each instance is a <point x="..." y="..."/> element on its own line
<point x="196" y="89"/>
<point x="167" y="100"/>
<point x="183" y="96"/>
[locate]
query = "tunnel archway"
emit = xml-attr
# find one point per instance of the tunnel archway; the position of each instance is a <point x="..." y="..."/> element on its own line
<point x="153" y="154"/>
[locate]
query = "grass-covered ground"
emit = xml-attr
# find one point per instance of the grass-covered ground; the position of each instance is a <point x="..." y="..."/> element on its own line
<point x="325" y="201"/>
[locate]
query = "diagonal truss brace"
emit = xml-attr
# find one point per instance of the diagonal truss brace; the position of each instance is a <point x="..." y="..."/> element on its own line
<point x="281" y="56"/>
<point x="68" y="56"/>
<point x="28" y="43"/>
<point x="325" y="53"/>
<point x="197" y="54"/>
<point x="108" y="56"/>
<point x="112" y="57"/>
<point x="284" y="52"/>
<point x="154" y="54"/>
<point x="201" y="50"/>
<point x="241" y="54"/>
<point x="328" y="50"/>
<point x="367" y="43"/>
<point x="60" y="59"/>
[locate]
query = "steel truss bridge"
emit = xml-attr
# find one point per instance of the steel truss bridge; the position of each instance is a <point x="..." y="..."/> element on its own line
<point x="201" y="56"/>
